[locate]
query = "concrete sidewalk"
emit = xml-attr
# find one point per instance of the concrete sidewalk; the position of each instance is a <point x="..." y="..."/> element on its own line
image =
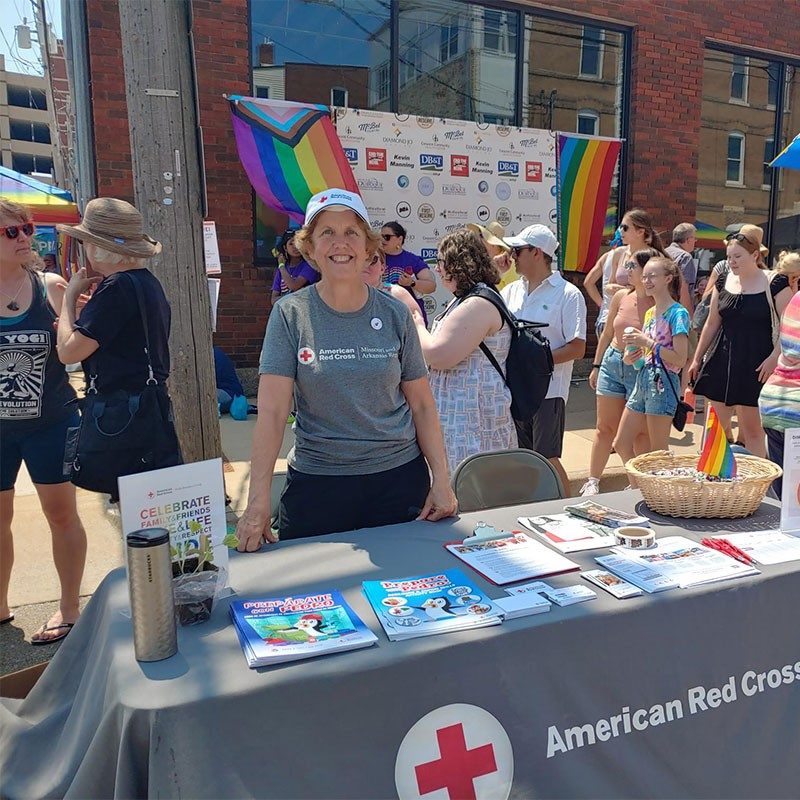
<point x="34" y="583"/>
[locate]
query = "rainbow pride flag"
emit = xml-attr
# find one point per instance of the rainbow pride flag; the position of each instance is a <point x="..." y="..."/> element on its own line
<point x="585" y="169"/>
<point x="717" y="457"/>
<point x="290" y="151"/>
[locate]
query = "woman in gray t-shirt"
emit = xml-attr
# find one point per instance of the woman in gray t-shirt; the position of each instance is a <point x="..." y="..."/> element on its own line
<point x="348" y="357"/>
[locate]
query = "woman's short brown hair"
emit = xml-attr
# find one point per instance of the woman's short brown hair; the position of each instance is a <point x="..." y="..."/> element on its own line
<point x="466" y="261"/>
<point x="302" y="240"/>
<point x="21" y="214"/>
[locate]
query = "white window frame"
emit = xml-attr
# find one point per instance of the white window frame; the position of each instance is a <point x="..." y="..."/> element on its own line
<point x="410" y="65"/>
<point x="452" y="42"/>
<point x="505" y="39"/>
<point x="742" y="101"/>
<point x="346" y="103"/>
<point x="600" y="52"/>
<point x="766" y="184"/>
<point x="741" y="137"/>
<point x="383" y="81"/>
<point x="772" y="106"/>
<point x="588" y="113"/>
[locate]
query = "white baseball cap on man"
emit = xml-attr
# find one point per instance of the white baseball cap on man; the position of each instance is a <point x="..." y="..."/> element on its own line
<point x="336" y="200"/>
<point x="535" y="236"/>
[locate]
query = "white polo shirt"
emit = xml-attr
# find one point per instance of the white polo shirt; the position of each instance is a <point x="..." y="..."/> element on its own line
<point x="559" y="305"/>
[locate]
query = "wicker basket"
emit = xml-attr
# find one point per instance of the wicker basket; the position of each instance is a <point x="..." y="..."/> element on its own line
<point x="676" y="496"/>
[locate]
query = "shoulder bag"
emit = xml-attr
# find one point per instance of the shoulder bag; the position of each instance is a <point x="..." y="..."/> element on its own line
<point x="682" y="409"/>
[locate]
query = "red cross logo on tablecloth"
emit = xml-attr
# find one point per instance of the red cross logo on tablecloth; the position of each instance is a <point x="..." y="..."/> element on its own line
<point x="457" y="766"/>
<point x="458" y="752"/>
<point x="305" y="355"/>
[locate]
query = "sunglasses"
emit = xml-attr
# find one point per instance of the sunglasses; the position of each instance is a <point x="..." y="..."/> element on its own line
<point x="631" y="265"/>
<point x="738" y="237"/>
<point x="13" y="231"/>
<point x="387" y="236"/>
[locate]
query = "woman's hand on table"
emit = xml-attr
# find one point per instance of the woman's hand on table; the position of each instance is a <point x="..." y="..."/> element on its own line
<point x="253" y="530"/>
<point x="440" y="502"/>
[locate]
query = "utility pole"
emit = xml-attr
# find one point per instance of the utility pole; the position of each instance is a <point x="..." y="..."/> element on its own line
<point x="169" y="192"/>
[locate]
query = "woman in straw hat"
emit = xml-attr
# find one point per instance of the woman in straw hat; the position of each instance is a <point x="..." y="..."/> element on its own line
<point x="35" y="413"/>
<point x="108" y="336"/>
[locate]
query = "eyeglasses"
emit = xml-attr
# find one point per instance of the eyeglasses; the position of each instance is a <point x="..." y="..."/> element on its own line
<point x="388" y="236"/>
<point x="738" y="237"/>
<point x="517" y="250"/>
<point x="631" y="265"/>
<point x="13" y="231"/>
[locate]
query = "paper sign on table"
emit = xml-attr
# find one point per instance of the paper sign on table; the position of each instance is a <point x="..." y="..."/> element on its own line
<point x="790" y="497"/>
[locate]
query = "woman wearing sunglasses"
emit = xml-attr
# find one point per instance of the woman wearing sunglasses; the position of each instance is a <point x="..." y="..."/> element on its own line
<point x="403" y="268"/>
<point x="35" y="414"/>
<point x="611" y="378"/>
<point x="740" y="340"/>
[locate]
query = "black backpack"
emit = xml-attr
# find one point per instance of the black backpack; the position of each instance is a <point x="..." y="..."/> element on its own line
<point x="529" y="365"/>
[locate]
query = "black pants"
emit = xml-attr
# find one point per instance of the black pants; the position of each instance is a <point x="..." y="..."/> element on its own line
<point x="775" y="440"/>
<point x="312" y="505"/>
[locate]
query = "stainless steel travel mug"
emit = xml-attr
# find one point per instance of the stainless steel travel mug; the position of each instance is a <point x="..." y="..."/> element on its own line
<point x="155" y="635"/>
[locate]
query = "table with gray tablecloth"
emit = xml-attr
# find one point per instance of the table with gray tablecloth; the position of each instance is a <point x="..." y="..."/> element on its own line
<point x="668" y="695"/>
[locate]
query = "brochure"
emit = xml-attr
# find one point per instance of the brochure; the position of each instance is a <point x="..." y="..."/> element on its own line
<point x="522" y="605"/>
<point x="279" y="629"/>
<point x="636" y="573"/>
<point x="686" y="562"/>
<point x="569" y="534"/>
<point x="603" y="515"/>
<point x="611" y="583"/>
<point x="765" y="547"/>
<point x="562" y="596"/>
<point x="512" y="558"/>
<point x="424" y="605"/>
<point x="790" y="496"/>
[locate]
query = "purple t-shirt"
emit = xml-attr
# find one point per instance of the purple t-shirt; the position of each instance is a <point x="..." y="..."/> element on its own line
<point x="301" y="270"/>
<point x="402" y="262"/>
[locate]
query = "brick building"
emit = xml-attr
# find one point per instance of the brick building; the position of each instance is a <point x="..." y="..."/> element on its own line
<point x="680" y="80"/>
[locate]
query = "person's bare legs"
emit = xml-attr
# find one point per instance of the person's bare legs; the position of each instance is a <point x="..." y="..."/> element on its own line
<point x="6" y="549"/>
<point x="562" y="474"/>
<point x="658" y="429"/>
<point x="751" y="430"/>
<point x="609" y="413"/>
<point x="631" y="427"/>
<point x="642" y="444"/>
<point x="69" y="549"/>
<point x="725" y="416"/>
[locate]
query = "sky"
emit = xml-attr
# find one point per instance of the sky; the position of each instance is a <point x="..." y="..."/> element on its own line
<point x="28" y="61"/>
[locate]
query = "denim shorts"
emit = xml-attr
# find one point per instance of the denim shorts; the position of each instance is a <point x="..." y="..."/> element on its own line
<point x="651" y="395"/>
<point x="615" y="378"/>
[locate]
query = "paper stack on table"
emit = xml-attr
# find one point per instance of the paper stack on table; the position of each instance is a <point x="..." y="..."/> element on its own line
<point x="765" y="547"/>
<point x="522" y="605"/>
<point x="569" y="533"/>
<point x="637" y="573"/>
<point x="563" y="596"/>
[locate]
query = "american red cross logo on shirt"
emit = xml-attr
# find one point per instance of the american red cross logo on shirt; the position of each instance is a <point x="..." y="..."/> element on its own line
<point x="305" y="355"/>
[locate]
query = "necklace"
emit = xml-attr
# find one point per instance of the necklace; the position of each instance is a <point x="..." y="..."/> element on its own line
<point x="13" y="305"/>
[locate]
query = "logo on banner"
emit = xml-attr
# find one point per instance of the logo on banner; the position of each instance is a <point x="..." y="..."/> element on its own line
<point x="534" y="142"/>
<point x="504" y="216"/>
<point x="402" y="117"/>
<point x="553" y="215"/>
<point x="533" y="171"/>
<point x="305" y="355"/>
<point x="482" y="167"/>
<point x="369" y="127"/>
<point x="483" y="213"/>
<point x="425" y="122"/>
<point x="401" y="161"/>
<point x="370" y="184"/>
<point x="426" y="213"/>
<point x="352" y="155"/>
<point x="454" y="214"/>
<point x="431" y="162"/>
<point x="554" y="190"/>
<point x="454" y="188"/>
<point x="502" y="130"/>
<point x="403" y="209"/>
<point x="425" y="186"/>
<point x="428" y="253"/>
<point x="454" y="136"/>
<point x="458" y="751"/>
<point x="508" y="169"/>
<point x="459" y="166"/>
<point x="527" y="194"/>
<point x="483" y="186"/>
<point x="502" y="190"/>
<point x="376" y="159"/>
<point x="402" y="181"/>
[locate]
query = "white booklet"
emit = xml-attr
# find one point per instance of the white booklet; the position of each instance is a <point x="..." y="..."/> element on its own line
<point x="765" y="547"/>
<point x="568" y="533"/>
<point x="522" y="605"/>
<point x="687" y="562"/>
<point x="511" y="558"/>
<point x="562" y="596"/>
<point x="636" y="573"/>
<point x="611" y="583"/>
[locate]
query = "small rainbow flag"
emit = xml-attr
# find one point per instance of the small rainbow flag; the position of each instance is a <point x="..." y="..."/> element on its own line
<point x="717" y="457"/>
<point x="290" y="151"/>
<point x="585" y="169"/>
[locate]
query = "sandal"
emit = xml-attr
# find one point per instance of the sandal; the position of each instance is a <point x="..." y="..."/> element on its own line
<point x="45" y="628"/>
<point x="9" y="618"/>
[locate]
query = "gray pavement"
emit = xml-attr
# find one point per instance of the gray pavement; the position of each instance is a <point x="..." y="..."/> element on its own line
<point x="34" y="584"/>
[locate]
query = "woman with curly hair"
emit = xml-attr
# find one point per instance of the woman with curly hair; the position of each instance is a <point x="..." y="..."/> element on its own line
<point x="473" y="401"/>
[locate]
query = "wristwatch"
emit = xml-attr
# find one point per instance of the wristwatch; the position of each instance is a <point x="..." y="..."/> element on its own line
<point x="413" y="282"/>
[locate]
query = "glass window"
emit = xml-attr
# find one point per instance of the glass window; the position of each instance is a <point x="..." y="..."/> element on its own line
<point x="339" y="97"/>
<point x="785" y="234"/>
<point x="382" y="83"/>
<point x="735" y="172"/>
<point x="739" y="75"/>
<point x="448" y="37"/>
<point x="30" y="131"/>
<point x="262" y="92"/>
<point x="769" y="154"/>
<point x="591" y="51"/>
<point x="588" y="122"/>
<point x="30" y="165"/>
<point x="773" y="70"/>
<point x="23" y="97"/>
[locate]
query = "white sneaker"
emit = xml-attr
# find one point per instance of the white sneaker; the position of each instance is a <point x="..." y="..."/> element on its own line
<point x="591" y="487"/>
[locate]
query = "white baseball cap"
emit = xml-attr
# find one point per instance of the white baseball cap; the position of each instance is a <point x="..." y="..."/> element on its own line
<point x="535" y="236"/>
<point x="337" y="200"/>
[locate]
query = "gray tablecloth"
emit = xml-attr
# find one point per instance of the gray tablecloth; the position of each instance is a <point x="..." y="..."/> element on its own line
<point x="564" y="687"/>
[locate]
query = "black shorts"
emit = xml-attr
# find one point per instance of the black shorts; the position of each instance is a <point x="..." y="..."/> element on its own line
<point x="312" y="505"/>
<point x="544" y="433"/>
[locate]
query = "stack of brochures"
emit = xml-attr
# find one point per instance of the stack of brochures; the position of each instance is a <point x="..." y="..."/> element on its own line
<point x="522" y="605"/>
<point x="569" y="533"/>
<point x="603" y="515"/>
<point x="279" y="629"/>
<point x="424" y="605"/>
<point x="561" y="596"/>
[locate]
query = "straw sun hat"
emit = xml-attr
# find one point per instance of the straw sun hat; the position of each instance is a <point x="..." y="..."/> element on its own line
<point x="115" y="226"/>
<point x="493" y="233"/>
<point x="753" y="233"/>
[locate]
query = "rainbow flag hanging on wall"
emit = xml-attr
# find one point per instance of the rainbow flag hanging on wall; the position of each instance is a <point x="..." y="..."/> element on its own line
<point x="290" y="151"/>
<point x="717" y="457"/>
<point x="585" y="169"/>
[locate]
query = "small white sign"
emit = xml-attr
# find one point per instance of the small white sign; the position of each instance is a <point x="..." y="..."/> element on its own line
<point x="213" y="296"/>
<point x="211" y="248"/>
<point x="790" y="502"/>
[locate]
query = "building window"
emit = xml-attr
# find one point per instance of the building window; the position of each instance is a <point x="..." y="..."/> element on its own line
<point x="29" y="165"/>
<point x="769" y="154"/>
<point x="382" y="82"/>
<point x="735" y="172"/>
<point x="23" y="97"/>
<point x="591" y="52"/>
<point x="339" y="97"/>
<point x="30" y="131"/>
<point x="262" y="92"/>
<point x="498" y="34"/>
<point x="448" y="40"/>
<point x="588" y="122"/>
<point x="410" y="65"/>
<point x="773" y="70"/>
<point x="739" y="78"/>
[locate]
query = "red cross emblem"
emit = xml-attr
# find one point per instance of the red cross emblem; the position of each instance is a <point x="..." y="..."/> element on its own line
<point x="461" y="749"/>
<point x="305" y="355"/>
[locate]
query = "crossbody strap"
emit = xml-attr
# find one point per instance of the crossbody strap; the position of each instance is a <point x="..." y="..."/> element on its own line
<point x="659" y="362"/>
<point x="143" y="314"/>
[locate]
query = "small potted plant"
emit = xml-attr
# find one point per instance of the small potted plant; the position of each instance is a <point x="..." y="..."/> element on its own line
<point x="196" y="579"/>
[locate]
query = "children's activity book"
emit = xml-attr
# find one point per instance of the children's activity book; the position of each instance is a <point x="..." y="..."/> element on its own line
<point x="279" y="629"/>
<point x="423" y="605"/>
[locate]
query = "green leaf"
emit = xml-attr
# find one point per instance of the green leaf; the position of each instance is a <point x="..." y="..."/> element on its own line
<point x="231" y="540"/>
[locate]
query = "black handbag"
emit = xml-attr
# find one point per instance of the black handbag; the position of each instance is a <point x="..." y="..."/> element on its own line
<point x="682" y="409"/>
<point x="122" y="432"/>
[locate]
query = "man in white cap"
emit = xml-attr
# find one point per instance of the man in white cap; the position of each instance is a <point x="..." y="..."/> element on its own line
<point x="542" y="295"/>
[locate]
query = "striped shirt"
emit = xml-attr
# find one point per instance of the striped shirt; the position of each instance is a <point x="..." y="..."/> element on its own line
<point x="779" y="402"/>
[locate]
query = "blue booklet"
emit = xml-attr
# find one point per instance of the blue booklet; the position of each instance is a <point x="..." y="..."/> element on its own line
<point x="424" y="605"/>
<point x="278" y="629"/>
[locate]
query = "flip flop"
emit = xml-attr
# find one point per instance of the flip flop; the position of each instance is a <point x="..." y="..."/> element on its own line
<point x="45" y="628"/>
<point x="7" y="620"/>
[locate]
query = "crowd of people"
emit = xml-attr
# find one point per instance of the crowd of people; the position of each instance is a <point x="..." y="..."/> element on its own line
<point x="386" y="406"/>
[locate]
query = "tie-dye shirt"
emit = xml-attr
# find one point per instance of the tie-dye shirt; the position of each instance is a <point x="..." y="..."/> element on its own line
<point x="300" y="270"/>
<point x="779" y="402"/>
<point x="664" y="327"/>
